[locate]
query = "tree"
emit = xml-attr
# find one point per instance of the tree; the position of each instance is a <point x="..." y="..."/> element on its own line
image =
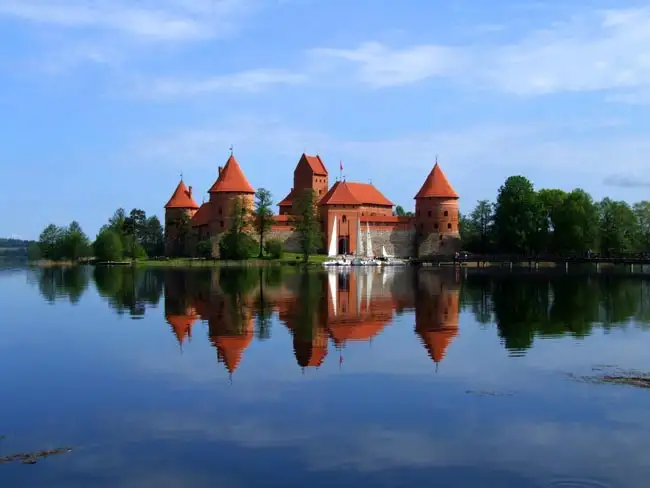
<point x="517" y="216"/>
<point x="153" y="239"/>
<point x="263" y="214"/>
<point x="180" y="232"/>
<point x="400" y="212"/>
<point x="642" y="212"/>
<point x="204" y="249"/>
<point x="306" y="223"/>
<point x="479" y="226"/>
<point x="74" y="242"/>
<point x="618" y="227"/>
<point x="135" y="224"/>
<point x="49" y="242"/>
<point x="550" y="201"/>
<point x="575" y="223"/>
<point x="108" y="246"/>
<point x="274" y="248"/>
<point x="237" y="243"/>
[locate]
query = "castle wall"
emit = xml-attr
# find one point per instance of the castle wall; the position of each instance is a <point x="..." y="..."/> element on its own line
<point x="397" y="242"/>
<point x="430" y="244"/>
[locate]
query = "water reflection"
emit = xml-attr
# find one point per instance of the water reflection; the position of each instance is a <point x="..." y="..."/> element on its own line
<point x="323" y="308"/>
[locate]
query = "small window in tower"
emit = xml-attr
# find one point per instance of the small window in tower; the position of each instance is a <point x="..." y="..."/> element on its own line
<point x="344" y="219"/>
<point x="435" y="226"/>
<point x="446" y="213"/>
<point x="448" y="226"/>
<point x="429" y="213"/>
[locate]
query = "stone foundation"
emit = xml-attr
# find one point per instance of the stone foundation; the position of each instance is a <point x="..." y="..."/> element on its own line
<point x="437" y="244"/>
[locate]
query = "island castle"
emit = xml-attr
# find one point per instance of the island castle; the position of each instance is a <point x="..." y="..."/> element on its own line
<point x="433" y="229"/>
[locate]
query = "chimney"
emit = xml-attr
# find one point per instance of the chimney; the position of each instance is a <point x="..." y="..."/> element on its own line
<point x="189" y="190"/>
<point x="220" y="170"/>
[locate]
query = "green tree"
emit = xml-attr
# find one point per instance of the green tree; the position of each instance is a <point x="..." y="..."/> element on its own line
<point x="204" y="249"/>
<point x="307" y="224"/>
<point x="180" y="228"/>
<point x="263" y="215"/>
<point x="274" y="248"/>
<point x="642" y="213"/>
<point x="400" y="212"/>
<point x="618" y="227"/>
<point x="550" y="201"/>
<point x="74" y="243"/>
<point x="237" y="243"/>
<point x="135" y="225"/>
<point x="517" y="216"/>
<point x="34" y="252"/>
<point x="576" y="223"/>
<point x="49" y="242"/>
<point x="153" y="238"/>
<point x="477" y="228"/>
<point x="108" y="246"/>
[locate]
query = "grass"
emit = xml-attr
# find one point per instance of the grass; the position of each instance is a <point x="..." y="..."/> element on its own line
<point x="288" y="259"/>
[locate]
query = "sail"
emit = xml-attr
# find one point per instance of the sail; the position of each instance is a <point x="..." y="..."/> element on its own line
<point x="368" y="242"/>
<point x="333" y="241"/>
<point x="359" y="242"/>
<point x="331" y="279"/>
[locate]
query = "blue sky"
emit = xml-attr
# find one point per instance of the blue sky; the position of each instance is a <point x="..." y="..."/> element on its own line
<point x="105" y="102"/>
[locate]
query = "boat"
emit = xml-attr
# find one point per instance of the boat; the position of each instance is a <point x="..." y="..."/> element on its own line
<point x="361" y="258"/>
<point x="389" y="260"/>
<point x="333" y="247"/>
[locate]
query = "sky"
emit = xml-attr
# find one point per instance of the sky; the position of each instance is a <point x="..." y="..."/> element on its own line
<point x="105" y="103"/>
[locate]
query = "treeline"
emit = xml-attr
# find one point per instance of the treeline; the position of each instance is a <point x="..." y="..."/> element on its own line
<point x="523" y="220"/>
<point x="14" y="249"/>
<point x="124" y="236"/>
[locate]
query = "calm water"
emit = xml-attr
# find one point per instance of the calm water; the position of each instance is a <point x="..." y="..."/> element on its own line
<point x="233" y="378"/>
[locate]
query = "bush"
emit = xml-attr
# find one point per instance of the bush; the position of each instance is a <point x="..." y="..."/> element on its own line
<point x="108" y="246"/>
<point x="274" y="248"/>
<point x="237" y="246"/>
<point x="204" y="249"/>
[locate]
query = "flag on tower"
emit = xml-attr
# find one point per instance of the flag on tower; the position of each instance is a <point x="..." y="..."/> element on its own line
<point x="341" y="165"/>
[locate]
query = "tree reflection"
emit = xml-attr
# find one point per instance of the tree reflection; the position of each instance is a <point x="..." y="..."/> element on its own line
<point x="63" y="282"/>
<point x="524" y="306"/>
<point x="128" y="289"/>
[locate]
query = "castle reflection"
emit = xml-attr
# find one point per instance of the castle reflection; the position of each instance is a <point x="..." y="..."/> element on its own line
<point x="320" y="310"/>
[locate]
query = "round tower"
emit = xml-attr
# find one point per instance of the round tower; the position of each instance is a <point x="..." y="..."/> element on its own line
<point x="231" y="186"/>
<point x="436" y="216"/>
<point x="179" y="210"/>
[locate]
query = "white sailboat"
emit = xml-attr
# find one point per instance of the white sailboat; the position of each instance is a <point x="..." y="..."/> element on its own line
<point x="357" y="261"/>
<point x="333" y="247"/>
<point x="369" y="253"/>
<point x="389" y="260"/>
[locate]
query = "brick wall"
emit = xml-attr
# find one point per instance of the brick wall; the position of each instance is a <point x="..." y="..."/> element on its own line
<point x="398" y="242"/>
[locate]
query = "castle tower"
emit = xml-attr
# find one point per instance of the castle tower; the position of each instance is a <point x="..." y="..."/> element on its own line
<point x="436" y="216"/>
<point x="310" y="173"/>
<point x="180" y="208"/>
<point x="231" y="185"/>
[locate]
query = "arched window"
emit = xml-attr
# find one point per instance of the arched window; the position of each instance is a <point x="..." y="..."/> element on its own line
<point x="435" y="226"/>
<point x="344" y="219"/>
<point x="446" y="213"/>
<point x="448" y="226"/>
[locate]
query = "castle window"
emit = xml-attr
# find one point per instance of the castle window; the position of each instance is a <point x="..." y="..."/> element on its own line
<point x="344" y="219"/>
<point x="448" y="226"/>
<point x="446" y="213"/>
<point x="435" y="226"/>
<point x="429" y="213"/>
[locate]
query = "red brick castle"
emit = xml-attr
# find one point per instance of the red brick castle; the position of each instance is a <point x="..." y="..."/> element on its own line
<point x="432" y="230"/>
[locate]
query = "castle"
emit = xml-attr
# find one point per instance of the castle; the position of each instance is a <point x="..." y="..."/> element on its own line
<point x="433" y="229"/>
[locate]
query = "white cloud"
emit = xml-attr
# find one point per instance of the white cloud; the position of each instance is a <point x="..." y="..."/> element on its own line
<point x="604" y="50"/>
<point x="246" y="81"/>
<point x="157" y="20"/>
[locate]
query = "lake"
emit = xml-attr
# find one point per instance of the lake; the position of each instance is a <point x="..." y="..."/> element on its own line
<point x="278" y="377"/>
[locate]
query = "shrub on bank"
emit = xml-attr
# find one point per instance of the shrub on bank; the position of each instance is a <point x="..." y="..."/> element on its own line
<point x="274" y="248"/>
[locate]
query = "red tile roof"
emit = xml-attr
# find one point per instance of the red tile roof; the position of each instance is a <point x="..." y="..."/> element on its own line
<point x="344" y="193"/>
<point x="202" y="216"/>
<point x="288" y="200"/>
<point x="231" y="348"/>
<point x="181" y="198"/>
<point x="436" y="185"/>
<point x="232" y="179"/>
<point x="316" y="164"/>
<point x="182" y="325"/>
<point x="437" y="341"/>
